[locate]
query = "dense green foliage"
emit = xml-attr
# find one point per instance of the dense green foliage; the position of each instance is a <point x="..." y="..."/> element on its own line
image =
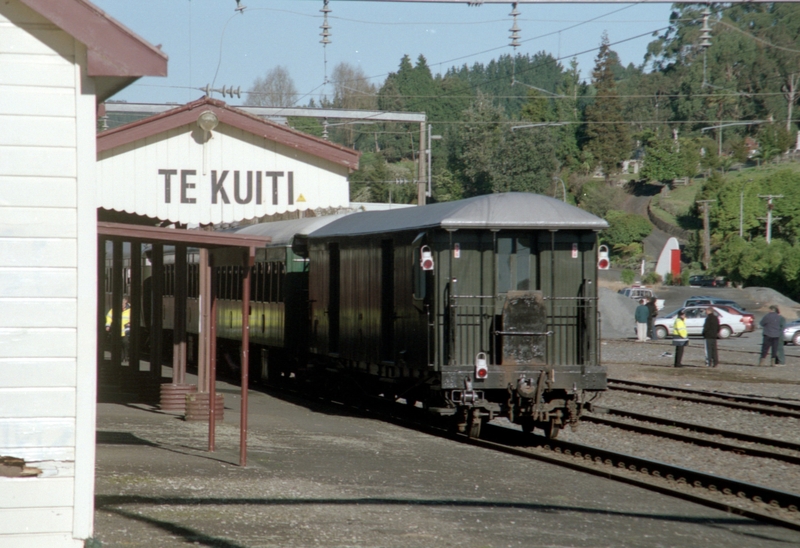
<point x="687" y="111"/>
<point x="624" y="229"/>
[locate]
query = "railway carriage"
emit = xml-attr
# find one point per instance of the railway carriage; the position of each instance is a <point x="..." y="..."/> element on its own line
<point x="479" y="308"/>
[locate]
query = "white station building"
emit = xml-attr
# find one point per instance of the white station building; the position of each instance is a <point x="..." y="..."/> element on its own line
<point x="200" y="163"/>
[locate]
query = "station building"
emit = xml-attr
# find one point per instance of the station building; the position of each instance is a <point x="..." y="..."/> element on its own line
<point x="200" y="163"/>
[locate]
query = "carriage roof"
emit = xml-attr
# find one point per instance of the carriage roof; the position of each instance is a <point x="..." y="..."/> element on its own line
<point x="283" y="233"/>
<point x="512" y="210"/>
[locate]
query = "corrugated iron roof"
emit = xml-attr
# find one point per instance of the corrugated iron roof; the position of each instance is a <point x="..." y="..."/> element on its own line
<point x="513" y="210"/>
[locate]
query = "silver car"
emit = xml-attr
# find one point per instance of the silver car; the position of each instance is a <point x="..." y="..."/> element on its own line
<point x="729" y="324"/>
<point x="791" y="333"/>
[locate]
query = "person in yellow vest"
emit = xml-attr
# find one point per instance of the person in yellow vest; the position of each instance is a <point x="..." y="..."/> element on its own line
<point x="679" y="337"/>
<point x="125" y="325"/>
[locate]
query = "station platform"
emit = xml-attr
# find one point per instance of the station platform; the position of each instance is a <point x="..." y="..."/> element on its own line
<point x="318" y="475"/>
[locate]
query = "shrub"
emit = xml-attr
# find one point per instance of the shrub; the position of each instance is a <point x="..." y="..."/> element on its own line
<point x="628" y="276"/>
<point x="652" y="278"/>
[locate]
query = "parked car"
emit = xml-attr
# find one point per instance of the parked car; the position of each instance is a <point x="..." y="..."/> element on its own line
<point x="791" y="333"/>
<point x="638" y="292"/>
<point x="729" y="324"/>
<point x="706" y="281"/>
<point x="748" y="319"/>
<point x="704" y="300"/>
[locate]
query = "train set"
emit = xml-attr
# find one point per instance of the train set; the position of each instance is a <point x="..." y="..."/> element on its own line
<point x="478" y="308"/>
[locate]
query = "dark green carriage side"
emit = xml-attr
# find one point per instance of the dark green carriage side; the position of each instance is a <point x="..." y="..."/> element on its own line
<point x="375" y="310"/>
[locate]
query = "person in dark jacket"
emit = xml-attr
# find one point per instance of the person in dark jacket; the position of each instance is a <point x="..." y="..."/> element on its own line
<point x="771" y="335"/>
<point x="653" y="309"/>
<point x="711" y="334"/>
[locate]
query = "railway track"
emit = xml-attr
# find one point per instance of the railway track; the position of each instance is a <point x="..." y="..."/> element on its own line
<point x="779" y="408"/>
<point x="726" y="494"/>
<point x="694" y="439"/>
<point x="733" y="496"/>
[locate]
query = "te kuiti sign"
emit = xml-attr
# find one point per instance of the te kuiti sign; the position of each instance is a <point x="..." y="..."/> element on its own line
<point x="170" y="168"/>
<point x="242" y="188"/>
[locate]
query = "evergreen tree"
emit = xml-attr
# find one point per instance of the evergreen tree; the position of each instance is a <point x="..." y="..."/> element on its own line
<point x="607" y="135"/>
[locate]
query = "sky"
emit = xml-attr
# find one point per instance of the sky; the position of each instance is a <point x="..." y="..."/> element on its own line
<point x="208" y="42"/>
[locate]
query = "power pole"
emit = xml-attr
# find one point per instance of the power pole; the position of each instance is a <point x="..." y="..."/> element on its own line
<point x="706" y="234"/>
<point x="422" y="184"/>
<point x="770" y="205"/>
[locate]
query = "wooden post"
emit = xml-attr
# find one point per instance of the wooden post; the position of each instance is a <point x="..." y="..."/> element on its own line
<point x="250" y="255"/>
<point x="203" y="322"/>
<point x="212" y="360"/>
<point x="156" y="327"/>
<point x="179" y="318"/>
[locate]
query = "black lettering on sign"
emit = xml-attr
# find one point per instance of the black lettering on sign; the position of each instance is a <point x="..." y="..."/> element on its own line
<point x="274" y="175"/>
<point x="186" y="185"/>
<point x="167" y="173"/>
<point x="291" y="187"/>
<point x="258" y="187"/>
<point x="236" y="188"/>
<point x="217" y="188"/>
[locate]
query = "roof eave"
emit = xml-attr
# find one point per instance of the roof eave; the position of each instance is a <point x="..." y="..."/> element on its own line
<point x="116" y="55"/>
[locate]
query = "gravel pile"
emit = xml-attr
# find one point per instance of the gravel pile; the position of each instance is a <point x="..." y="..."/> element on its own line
<point x="616" y="315"/>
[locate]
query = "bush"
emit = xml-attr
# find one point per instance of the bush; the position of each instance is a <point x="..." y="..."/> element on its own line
<point x="628" y="276"/>
<point x="652" y="278"/>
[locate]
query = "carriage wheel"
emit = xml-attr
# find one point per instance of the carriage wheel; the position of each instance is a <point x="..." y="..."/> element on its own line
<point x="551" y="429"/>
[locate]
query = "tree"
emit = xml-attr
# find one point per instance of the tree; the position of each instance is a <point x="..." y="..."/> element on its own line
<point x="525" y="161"/>
<point x="661" y="161"/>
<point x="353" y="91"/>
<point x="607" y="135"/>
<point x="474" y="147"/>
<point x="624" y="229"/>
<point x="275" y="89"/>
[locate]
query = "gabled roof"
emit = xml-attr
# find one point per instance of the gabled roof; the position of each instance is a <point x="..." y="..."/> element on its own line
<point x="188" y="113"/>
<point x="512" y="210"/>
<point x="117" y="57"/>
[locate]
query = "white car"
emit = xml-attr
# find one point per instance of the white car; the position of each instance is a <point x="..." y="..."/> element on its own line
<point x="729" y="324"/>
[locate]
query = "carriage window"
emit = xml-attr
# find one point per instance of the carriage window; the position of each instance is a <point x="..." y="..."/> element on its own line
<point x="505" y="258"/>
<point x="282" y="282"/>
<point x="513" y="264"/>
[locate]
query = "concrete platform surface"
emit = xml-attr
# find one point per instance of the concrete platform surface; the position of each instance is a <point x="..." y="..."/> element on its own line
<point x="319" y="476"/>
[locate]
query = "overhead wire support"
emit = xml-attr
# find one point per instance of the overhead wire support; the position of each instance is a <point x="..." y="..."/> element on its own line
<point x="515" y="43"/>
<point x="326" y="36"/>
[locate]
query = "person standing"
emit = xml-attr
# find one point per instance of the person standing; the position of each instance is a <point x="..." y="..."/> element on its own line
<point x="653" y="309"/>
<point x="711" y="334"/>
<point x="771" y="335"/>
<point x="679" y="332"/>
<point x="641" y="315"/>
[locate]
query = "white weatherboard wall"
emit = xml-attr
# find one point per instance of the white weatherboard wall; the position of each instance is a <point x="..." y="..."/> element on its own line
<point x="47" y="281"/>
<point x="133" y="177"/>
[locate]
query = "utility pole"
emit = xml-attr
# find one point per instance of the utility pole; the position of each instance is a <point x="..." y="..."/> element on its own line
<point x="706" y="234"/>
<point x="741" y="211"/>
<point x="422" y="184"/>
<point x="770" y="205"/>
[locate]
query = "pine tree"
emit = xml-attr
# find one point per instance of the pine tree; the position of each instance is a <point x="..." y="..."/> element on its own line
<point x="607" y="135"/>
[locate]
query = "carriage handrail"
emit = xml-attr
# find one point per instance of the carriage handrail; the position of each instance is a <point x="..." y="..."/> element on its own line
<point x="545" y="333"/>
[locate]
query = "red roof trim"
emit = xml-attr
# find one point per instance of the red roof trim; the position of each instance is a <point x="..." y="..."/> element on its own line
<point x="114" y="50"/>
<point x="187" y="114"/>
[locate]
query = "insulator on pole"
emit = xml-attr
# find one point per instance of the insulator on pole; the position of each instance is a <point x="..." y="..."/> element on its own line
<point x="705" y="30"/>
<point x="326" y="35"/>
<point x="515" y="43"/>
